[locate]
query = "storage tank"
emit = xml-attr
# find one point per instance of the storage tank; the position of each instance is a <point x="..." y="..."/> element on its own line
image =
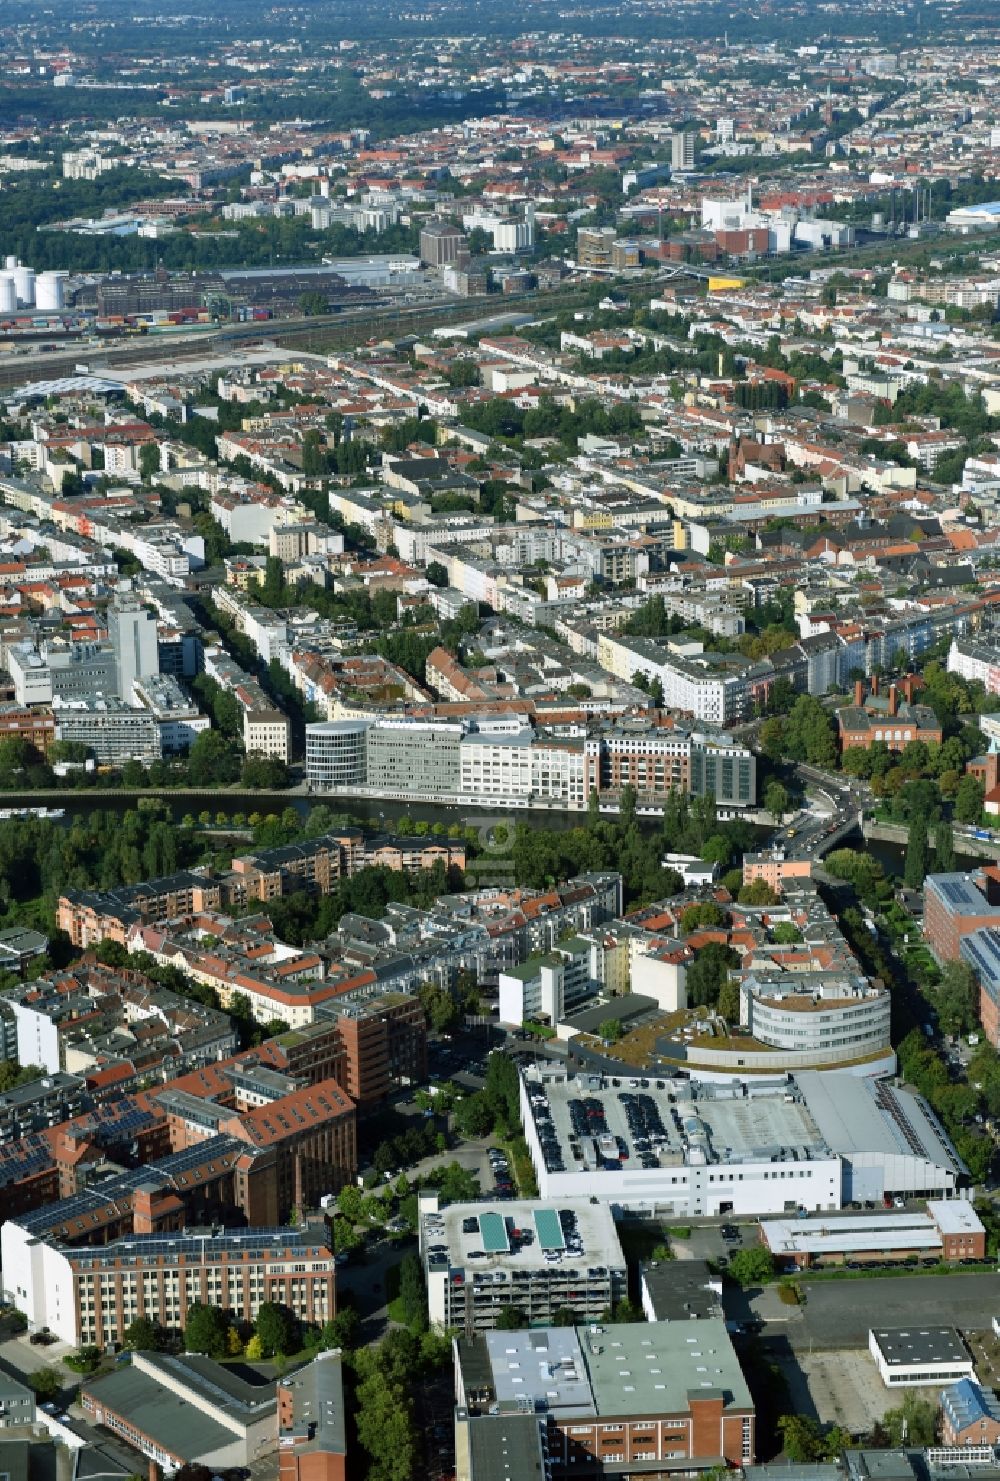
<point x="8" y="294"/>
<point x="50" y="292"/>
<point x="24" y="278"/>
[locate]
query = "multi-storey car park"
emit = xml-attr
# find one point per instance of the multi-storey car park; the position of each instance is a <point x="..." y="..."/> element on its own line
<point x="815" y="1141"/>
<point x="537" y="1257"/>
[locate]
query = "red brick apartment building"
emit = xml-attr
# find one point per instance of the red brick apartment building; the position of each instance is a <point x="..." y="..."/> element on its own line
<point x="970" y="1414"/>
<point x="955" y="905"/>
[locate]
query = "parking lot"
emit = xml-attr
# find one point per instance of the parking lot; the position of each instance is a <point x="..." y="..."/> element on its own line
<point x="706" y="1241"/>
<point x="460" y="1057"/>
<point x="839" y="1313"/>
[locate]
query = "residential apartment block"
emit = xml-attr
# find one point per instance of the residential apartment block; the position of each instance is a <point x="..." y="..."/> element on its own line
<point x="91" y="1295"/>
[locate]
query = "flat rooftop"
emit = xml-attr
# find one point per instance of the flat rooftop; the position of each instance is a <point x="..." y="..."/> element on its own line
<point x="650" y="1368"/>
<point x="543" y="1369"/>
<point x="680" y="1290"/>
<point x="955" y="1216"/>
<point x="635" y="1368"/>
<point x="506" y="1448"/>
<point x="960" y="894"/>
<point x="876" y="1116"/>
<point x="640" y="1121"/>
<point x="902" y="1347"/>
<point x="829" y="1235"/>
<point x="519" y="1236"/>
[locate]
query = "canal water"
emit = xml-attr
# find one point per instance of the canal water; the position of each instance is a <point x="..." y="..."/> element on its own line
<point x="370" y="812"/>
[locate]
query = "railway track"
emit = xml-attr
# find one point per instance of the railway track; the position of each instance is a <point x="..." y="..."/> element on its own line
<point x="314" y="335"/>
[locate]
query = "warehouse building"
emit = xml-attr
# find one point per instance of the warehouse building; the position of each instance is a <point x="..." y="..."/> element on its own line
<point x="949" y="1230"/>
<point x="814" y="1141"/>
<point x="538" y="1258"/>
<point x="648" y="1397"/>
<point x="182" y="1410"/>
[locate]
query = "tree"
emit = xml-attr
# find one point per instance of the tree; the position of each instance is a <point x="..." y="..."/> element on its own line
<point x="474" y="1116"/>
<point x="610" y="1029"/>
<point x="312" y="304"/>
<point x="564" y="1316"/>
<point x="776" y="800"/>
<point x="627" y="1311"/>
<point x="205" y="1331"/>
<point x="346" y="1238"/>
<point x="142" y="1335"/>
<point x="944" y="847"/>
<point x="384" y="1417"/>
<point x="810" y="734"/>
<point x="957" y="999"/>
<point x="511" y="1319"/>
<point x="277" y="1328"/>
<point x="729" y="1000"/>
<point x="757" y="892"/>
<point x="696" y="917"/>
<point x="753" y="1266"/>
<point x="705" y="977"/>
<point x="801" y="1438"/>
<point x="264" y="773"/>
<point x="913" y="1423"/>
<point x="412" y="1294"/>
<point x="969" y="800"/>
<point x="437" y="574"/>
<point x="211" y="760"/>
<point x="13" y="1075"/>
<point x="915" y="863"/>
<point x="440" y="1009"/>
<point x="836" y="1441"/>
<point x="46" y="1384"/>
<point x="149" y="460"/>
<point x="344" y="1331"/>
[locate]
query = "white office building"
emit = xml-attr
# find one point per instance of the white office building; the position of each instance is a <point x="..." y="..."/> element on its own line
<point x="919" y="1356"/>
<point x="335" y="754"/>
<point x="132" y="631"/>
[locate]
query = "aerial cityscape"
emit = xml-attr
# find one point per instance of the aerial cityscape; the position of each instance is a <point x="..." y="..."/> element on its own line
<point x="500" y="741"/>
